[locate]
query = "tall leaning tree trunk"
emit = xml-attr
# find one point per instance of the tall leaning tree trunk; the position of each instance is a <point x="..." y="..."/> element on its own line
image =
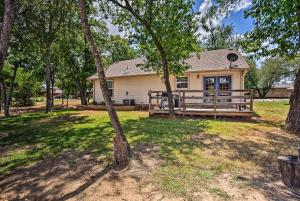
<point x="293" y="118"/>
<point x="5" y="35"/>
<point x="6" y="29"/>
<point x="48" y="80"/>
<point x="121" y="147"/>
<point x="7" y="100"/>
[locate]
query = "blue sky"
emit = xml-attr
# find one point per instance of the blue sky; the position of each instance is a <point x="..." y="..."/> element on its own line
<point x="236" y="17"/>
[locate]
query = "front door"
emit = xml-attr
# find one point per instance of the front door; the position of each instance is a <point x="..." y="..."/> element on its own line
<point x="222" y="84"/>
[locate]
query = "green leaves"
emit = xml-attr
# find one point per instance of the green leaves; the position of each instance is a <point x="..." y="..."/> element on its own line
<point x="151" y="24"/>
<point x="276" y="28"/>
<point x="272" y="71"/>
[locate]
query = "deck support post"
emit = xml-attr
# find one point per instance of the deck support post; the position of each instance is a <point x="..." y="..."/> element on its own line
<point x="251" y="100"/>
<point x="183" y="101"/>
<point x="150" y="99"/>
<point x="157" y="100"/>
<point x="179" y="100"/>
<point x="215" y="104"/>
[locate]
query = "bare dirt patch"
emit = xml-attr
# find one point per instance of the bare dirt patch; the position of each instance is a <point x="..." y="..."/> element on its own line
<point x="83" y="176"/>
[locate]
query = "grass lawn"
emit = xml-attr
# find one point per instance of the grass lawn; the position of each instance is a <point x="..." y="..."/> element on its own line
<point x="195" y="154"/>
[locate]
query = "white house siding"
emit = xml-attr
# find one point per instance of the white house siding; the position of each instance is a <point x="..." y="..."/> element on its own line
<point x="138" y="86"/>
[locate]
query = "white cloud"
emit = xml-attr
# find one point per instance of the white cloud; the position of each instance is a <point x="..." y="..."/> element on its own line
<point x="218" y="18"/>
<point x="243" y="4"/>
<point x="207" y="4"/>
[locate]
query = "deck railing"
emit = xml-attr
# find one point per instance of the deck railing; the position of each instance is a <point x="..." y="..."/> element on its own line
<point x="183" y="99"/>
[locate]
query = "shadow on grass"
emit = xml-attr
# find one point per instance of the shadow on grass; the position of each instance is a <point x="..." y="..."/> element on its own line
<point x="36" y="136"/>
<point x="58" y="178"/>
<point x="185" y="140"/>
<point x="172" y="135"/>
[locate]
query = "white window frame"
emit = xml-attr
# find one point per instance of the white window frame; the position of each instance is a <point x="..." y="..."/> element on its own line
<point x="182" y="82"/>
<point x="111" y="88"/>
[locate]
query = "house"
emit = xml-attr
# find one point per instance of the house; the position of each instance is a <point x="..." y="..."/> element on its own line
<point x="209" y="71"/>
<point x="281" y="90"/>
<point x="56" y="91"/>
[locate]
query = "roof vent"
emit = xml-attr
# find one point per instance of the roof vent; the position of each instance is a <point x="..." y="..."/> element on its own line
<point x="126" y="70"/>
<point x="232" y="57"/>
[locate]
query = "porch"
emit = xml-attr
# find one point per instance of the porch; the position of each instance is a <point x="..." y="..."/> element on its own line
<point x="204" y="103"/>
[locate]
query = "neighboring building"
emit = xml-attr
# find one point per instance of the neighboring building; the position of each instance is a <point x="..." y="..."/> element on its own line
<point x="281" y="90"/>
<point x="56" y="91"/>
<point x="209" y="70"/>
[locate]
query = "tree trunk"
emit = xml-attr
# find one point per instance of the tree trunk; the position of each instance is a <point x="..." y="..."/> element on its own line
<point x="6" y="30"/>
<point x="62" y="95"/>
<point x="82" y="93"/>
<point x="52" y="90"/>
<point x="7" y="100"/>
<point x="121" y="147"/>
<point x="83" y="96"/>
<point x="67" y="106"/>
<point x="3" y="91"/>
<point x="293" y="118"/>
<point x="167" y="83"/>
<point x="48" y="80"/>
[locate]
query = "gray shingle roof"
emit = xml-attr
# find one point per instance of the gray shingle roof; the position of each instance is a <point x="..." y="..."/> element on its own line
<point x="204" y="61"/>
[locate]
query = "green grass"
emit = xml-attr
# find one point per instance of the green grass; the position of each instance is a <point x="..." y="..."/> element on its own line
<point x="193" y="151"/>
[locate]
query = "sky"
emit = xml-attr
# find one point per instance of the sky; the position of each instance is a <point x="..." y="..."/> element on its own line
<point x="236" y="17"/>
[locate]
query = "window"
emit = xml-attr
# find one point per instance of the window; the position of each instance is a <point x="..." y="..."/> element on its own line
<point x="110" y="85"/>
<point x="182" y="82"/>
<point x="224" y="83"/>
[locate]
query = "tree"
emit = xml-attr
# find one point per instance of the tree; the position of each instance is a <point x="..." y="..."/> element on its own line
<point x="219" y="36"/>
<point x="6" y="28"/>
<point x="119" y="49"/>
<point x="121" y="147"/>
<point x="276" y="32"/>
<point x="22" y="53"/>
<point x="264" y="78"/>
<point x="5" y="35"/>
<point x="45" y="19"/>
<point x="27" y="87"/>
<point x="165" y="34"/>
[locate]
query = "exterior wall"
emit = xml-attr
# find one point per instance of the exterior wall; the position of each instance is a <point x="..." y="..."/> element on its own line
<point x="137" y="87"/>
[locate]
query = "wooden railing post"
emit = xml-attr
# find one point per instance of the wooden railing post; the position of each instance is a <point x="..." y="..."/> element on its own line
<point x="183" y="101"/>
<point x="150" y="99"/>
<point x="251" y="100"/>
<point x="157" y="100"/>
<point x="215" y="104"/>
<point x="179" y="100"/>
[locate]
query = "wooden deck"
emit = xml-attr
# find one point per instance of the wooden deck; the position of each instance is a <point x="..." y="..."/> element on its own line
<point x="237" y="103"/>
